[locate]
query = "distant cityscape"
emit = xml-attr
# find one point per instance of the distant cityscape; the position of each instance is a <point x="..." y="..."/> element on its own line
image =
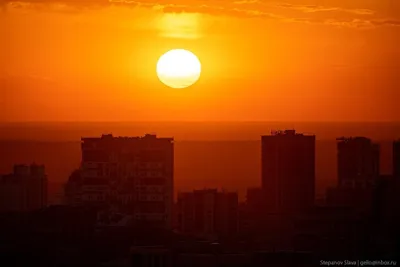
<point x="124" y="188"/>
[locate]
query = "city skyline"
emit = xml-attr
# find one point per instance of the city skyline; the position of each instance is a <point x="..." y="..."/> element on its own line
<point x="350" y="151"/>
<point x="123" y="191"/>
<point x="192" y="133"/>
<point x="195" y="162"/>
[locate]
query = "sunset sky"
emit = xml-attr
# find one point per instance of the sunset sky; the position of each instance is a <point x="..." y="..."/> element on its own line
<point x="295" y="60"/>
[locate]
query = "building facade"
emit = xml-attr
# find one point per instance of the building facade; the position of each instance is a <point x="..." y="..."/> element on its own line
<point x="396" y="159"/>
<point x="250" y="218"/>
<point x="288" y="171"/>
<point x="357" y="162"/>
<point x="208" y="212"/>
<point x="358" y="173"/>
<point x="24" y="190"/>
<point x="133" y="175"/>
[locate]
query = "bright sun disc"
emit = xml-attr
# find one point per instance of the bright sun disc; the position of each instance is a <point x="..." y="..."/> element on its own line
<point x="178" y="68"/>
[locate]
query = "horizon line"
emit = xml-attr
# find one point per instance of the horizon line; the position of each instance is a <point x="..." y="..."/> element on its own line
<point x="193" y="121"/>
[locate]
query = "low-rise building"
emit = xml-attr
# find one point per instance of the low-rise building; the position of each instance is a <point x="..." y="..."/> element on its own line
<point x="208" y="213"/>
<point x="23" y="190"/>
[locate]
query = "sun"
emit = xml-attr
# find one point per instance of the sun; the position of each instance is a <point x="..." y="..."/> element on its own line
<point x="178" y="68"/>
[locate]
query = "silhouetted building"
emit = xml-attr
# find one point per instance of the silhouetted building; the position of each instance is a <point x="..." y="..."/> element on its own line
<point x="249" y="219"/>
<point x="327" y="229"/>
<point x="384" y="186"/>
<point x="396" y="159"/>
<point x="358" y="198"/>
<point x="358" y="173"/>
<point x="133" y="175"/>
<point x="358" y="162"/>
<point x="288" y="171"/>
<point x="386" y="216"/>
<point x="254" y="196"/>
<point x="24" y="190"/>
<point x="208" y="213"/>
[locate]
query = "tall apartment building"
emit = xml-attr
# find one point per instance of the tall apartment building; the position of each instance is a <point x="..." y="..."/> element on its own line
<point x="208" y="212"/>
<point x="357" y="162"/>
<point x="130" y="174"/>
<point x="358" y="173"/>
<point x="24" y="190"/>
<point x="288" y="171"/>
<point x="396" y="159"/>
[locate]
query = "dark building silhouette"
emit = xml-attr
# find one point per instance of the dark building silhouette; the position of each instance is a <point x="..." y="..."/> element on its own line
<point x="329" y="231"/>
<point x="396" y="159"/>
<point x="249" y="221"/>
<point x="208" y="213"/>
<point x="132" y="175"/>
<point x="385" y="217"/>
<point x="53" y="236"/>
<point x="254" y="196"/>
<point x="24" y="190"/>
<point x="358" y="174"/>
<point x="288" y="171"/>
<point x="358" y="161"/>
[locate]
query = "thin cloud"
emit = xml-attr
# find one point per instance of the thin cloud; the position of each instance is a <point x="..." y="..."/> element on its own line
<point x="356" y="23"/>
<point x="387" y="22"/>
<point x="362" y="24"/>
<point x="317" y="8"/>
<point x="359" y="18"/>
<point x="216" y="10"/>
<point x="225" y="8"/>
<point x="244" y="2"/>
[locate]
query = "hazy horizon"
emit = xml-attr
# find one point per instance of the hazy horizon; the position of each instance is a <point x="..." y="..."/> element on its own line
<point x="211" y="130"/>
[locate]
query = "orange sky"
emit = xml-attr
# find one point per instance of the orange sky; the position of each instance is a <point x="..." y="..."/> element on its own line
<point x="297" y="60"/>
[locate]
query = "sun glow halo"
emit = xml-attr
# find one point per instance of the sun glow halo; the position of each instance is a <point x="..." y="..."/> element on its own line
<point x="178" y="68"/>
